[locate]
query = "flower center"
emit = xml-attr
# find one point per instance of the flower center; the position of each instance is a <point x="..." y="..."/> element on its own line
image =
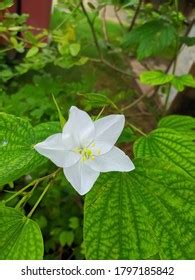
<point x="87" y="153"/>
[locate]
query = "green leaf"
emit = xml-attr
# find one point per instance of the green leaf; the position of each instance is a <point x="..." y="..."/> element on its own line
<point x="18" y="157"/>
<point x="66" y="237"/>
<point x="169" y="145"/>
<point x="44" y="130"/>
<point x="182" y="124"/>
<point x="189" y="41"/>
<point x="74" y="49"/>
<point x="139" y="214"/>
<point x="180" y="82"/>
<point x="152" y="38"/>
<point x="32" y="52"/>
<point x="155" y="78"/>
<point x="61" y="117"/>
<point x="20" y="237"/>
<point x="4" y="4"/>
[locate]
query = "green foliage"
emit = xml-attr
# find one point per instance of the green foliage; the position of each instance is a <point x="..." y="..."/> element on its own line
<point x="171" y="145"/>
<point x="17" y="154"/>
<point x="152" y="38"/>
<point x="182" y="124"/>
<point x="155" y="78"/>
<point x="140" y="214"/>
<point x="20" y="237"/>
<point x="5" y="4"/>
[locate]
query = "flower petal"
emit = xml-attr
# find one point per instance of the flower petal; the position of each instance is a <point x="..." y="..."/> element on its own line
<point x="81" y="177"/>
<point x="108" y="129"/>
<point x="53" y="148"/>
<point x="114" y="160"/>
<point x="80" y="127"/>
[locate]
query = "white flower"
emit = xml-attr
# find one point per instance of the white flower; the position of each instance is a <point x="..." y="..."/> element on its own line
<point x="86" y="148"/>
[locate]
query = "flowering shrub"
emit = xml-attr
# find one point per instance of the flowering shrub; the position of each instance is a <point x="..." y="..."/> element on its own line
<point x="66" y="190"/>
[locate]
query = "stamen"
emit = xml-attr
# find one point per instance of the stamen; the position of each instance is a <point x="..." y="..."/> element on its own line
<point x="87" y="153"/>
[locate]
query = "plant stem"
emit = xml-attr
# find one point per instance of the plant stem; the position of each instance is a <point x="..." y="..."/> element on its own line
<point x="135" y="102"/>
<point x="100" y="54"/>
<point x="100" y="113"/>
<point x="34" y="182"/>
<point x="39" y="200"/>
<point x="136" y="129"/>
<point x="135" y="15"/>
<point x="91" y="25"/>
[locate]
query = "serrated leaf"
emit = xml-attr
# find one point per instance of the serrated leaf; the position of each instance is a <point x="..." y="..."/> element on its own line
<point x="20" y="237"/>
<point x="180" y="82"/>
<point x="155" y="78"/>
<point x="182" y="124"/>
<point x="140" y="214"/>
<point x="152" y="38"/>
<point x="32" y="52"/>
<point x="18" y="157"/>
<point x="169" y="145"/>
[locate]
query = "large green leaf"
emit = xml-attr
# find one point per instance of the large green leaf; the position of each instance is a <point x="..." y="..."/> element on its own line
<point x="18" y="157"/>
<point x="182" y="124"/>
<point x="170" y="145"/>
<point x="44" y="130"/>
<point x="152" y="38"/>
<point x="141" y="214"/>
<point x="20" y="237"/>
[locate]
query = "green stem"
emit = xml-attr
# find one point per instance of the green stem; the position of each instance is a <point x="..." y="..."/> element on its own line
<point x="34" y="182"/>
<point x="39" y="200"/>
<point x="100" y="113"/>
<point x="136" y="129"/>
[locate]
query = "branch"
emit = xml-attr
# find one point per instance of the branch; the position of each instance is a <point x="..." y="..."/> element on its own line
<point x="92" y="29"/>
<point x="135" y="15"/>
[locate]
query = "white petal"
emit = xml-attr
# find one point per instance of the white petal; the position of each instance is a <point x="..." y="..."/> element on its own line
<point x="80" y="127"/>
<point x="100" y="148"/>
<point x="108" y="129"/>
<point x="53" y="148"/>
<point x="114" y="160"/>
<point x="81" y="177"/>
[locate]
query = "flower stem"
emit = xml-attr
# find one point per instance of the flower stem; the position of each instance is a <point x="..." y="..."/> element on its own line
<point x="39" y="200"/>
<point x="34" y="182"/>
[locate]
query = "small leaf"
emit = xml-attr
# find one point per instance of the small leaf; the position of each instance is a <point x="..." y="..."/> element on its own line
<point x="66" y="237"/>
<point x="155" y="78"/>
<point x="180" y="82"/>
<point x="32" y="52"/>
<point x="20" y="237"/>
<point x="74" y="222"/>
<point x="61" y="117"/>
<point x="74" y="49"/>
